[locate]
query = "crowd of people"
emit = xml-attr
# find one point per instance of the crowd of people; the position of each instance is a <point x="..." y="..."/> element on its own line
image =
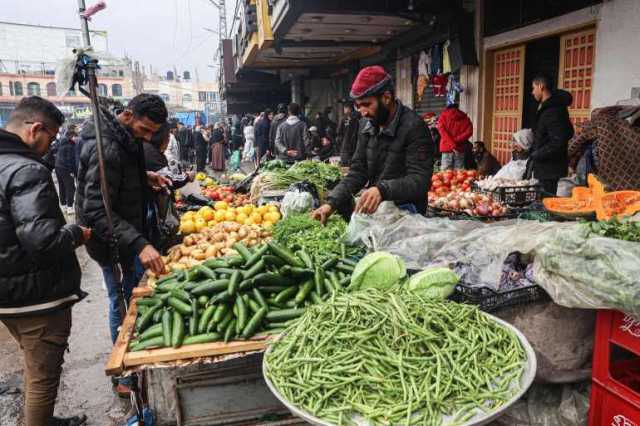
<point x="389" y="150"/>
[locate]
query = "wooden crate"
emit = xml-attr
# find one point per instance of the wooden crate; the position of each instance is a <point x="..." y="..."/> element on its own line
<point x="120" y="358"/>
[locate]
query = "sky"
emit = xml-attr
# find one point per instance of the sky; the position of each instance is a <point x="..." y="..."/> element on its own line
<point x="161" y="33"/>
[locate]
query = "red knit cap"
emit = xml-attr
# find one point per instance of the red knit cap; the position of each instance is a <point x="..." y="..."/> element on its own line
<point x="369" y="81"/>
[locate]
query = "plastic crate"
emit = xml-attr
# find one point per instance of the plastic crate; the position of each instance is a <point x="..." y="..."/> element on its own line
<point x="514" y="195"/>
<point x="490" y="300"/>
<point x="613" y="327"/>
<point x="612" y="407"/>
<point x="456" y="215"/>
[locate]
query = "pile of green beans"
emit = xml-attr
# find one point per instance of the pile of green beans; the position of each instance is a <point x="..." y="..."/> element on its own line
<point x="395" y="358"/>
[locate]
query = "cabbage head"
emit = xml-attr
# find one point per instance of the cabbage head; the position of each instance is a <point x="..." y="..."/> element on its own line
<point x="379" y="270"/>
<point x="434" y="283"/>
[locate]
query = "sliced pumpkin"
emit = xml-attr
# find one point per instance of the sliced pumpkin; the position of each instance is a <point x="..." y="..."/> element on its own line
<point x="597" y="187"/>
<point x="582" y="193"/>
<point x="618" y="204"/>
<point x="569" y="207"/>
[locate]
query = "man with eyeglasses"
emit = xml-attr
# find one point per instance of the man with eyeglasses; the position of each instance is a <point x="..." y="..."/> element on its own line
<point x="39" y="271"/>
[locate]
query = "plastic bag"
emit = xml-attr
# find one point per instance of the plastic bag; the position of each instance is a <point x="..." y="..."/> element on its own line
<point x="234" y="162"/>
<point x="566" y="185"/>
<point x="299" y="198"/>
<point x="579" y="270"/>
<point x="550" y="405"/>
<point x="514" y="169"/>
<point x="362" y="227"/>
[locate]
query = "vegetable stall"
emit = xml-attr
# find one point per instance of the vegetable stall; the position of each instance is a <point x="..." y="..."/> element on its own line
<point x="388" y="318"/>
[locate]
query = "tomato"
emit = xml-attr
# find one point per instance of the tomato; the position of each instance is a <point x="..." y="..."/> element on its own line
<point x="473" y="173"/>
<point x="436" y="184"/>
<point x="446" y="181"/>
<point x="228" y="198"/>
<point x="466" y="186"/>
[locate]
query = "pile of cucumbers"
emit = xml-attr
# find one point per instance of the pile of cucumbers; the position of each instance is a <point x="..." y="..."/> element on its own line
<point x="237" y="297"/>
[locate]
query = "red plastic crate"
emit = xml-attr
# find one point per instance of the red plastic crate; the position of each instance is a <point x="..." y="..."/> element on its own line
<point x="617" y="328"/>
<point x="609" y="408"/>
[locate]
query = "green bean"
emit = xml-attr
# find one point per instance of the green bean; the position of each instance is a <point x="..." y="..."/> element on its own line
<point x="395" y="358"/>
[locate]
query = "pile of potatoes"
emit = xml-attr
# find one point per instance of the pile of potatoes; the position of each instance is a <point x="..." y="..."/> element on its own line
<point x="213" y="242"/>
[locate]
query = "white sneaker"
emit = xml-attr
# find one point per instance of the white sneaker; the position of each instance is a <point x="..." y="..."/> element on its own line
<point x="70" y="211"/>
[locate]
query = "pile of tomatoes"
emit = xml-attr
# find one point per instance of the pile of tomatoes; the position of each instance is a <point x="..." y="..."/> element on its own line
<point x="448" y="181"/>
<point x="227" y="194"/>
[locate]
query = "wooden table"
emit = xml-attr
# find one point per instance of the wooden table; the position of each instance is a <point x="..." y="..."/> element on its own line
<point x="120" y="358"/>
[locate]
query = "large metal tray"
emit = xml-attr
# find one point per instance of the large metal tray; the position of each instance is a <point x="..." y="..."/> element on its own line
<point x="481" y="419"/>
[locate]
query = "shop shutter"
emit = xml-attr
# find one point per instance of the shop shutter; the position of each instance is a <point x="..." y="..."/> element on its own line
<point x="577" y="57"/>
<point x="508" y="77"/>
<point x="429" y="102"/>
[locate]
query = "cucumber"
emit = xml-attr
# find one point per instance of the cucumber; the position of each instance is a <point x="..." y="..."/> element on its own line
<point x="304" y="291"/>
<point x="193" y="274"/>
<point x="284" y="314"/>
<point x="345" y="281"/>
<point x="180" y="306"/>
<point x="220" y="312"/>
<point x="286" y="295"/>
<point x="205" y="318"/>
<point x="146" y="319"/>
<point x="247" y="284"/>
<point x="230" y="331"/>
<point x="234" y="261"/>
<point x="253" y="324"/>
<point x="222" y="325"/>
<point x="177" y="331"/>
<point x="167" y="320"/>
<point x="273" y="260"/>
<point x="305" y="258"/>
<point x="349" y="262"/>
<point x="203" y="301"/>
<point x="330" y="263"/>
<point x="285" y="254"/>
<point x="148" y="301"/>
<point x="201" y="338"/>
<point x="193" y="322"/>
<point x="242" y="251"/>
<point x="181" y="294"/>
<point x="168" y="286"/>
<point x="242" y="314"/>
<point x="223" y="296"/>
<point x="295" y="272"/>
<point x="206" y="271"/>
<point x="234" y="282"/>
<point x="210" y="287"/>
<point x="273" y="278"/>
<point x="157" y="316"/>
<point x="273" y="288"/>
<point x="151" y="332"/>
<point x="215" y="263"/>
<point x="255" y="257"/>
<point x="254" y="270"/>
<point x="259" y="298"/>
<point x="254" y="306"/>
<point x="166" y="278"/>
<point x="156" y="342"/>
<point x="227" y="271"/>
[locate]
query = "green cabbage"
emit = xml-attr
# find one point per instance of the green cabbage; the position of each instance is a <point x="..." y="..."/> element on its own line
<point x="379" y="270"/>
<point x="434" y="283"/>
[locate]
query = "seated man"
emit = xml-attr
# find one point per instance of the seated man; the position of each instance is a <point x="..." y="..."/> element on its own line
<point x="488" y="165"/>
<point x="394" y="154"/>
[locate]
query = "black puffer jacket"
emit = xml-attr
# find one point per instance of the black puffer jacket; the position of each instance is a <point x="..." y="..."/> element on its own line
<point x="549" y="154"/>
<point x="398" y="160"/>
<point x="39" y="271"/>
<point x="126" y="179"/>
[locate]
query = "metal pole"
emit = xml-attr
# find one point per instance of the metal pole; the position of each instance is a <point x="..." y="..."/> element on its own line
<point x="104" y="189"/>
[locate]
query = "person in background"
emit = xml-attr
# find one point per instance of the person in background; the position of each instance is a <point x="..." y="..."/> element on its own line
<point x="249" y="132"/>
<point x="394" y="156"/>
<point x="292" y="139"/>
<point x="278" y="119"/>
<point x="172" y="151"/>
<point x="39" y="271"/>
<point x="127" y="181"/>
<point x="455" y="129"/>
<point x="66" y="167"/>
<point x="522" y="141"/>
<point x="218" y="143"/>
<point x="331" y="128"/>
<point x="549" y="156"/>
<point x="320" y="146"/>
<point x="347" y="134"/>
<point x="201" y="145"/>
<point x="488" y="165"/>
<point x="262" y="135"/>
<point x="185" y="140"/>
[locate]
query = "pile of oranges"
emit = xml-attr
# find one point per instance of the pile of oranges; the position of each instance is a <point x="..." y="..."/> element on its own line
<point x="266" y="216"/>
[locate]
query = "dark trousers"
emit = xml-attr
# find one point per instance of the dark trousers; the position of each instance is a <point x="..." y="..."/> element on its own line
<point x="66" y="186"/>
<point x="549" y="187"/>
<point x="43" y="340"/>
<point x="201" y="158"/>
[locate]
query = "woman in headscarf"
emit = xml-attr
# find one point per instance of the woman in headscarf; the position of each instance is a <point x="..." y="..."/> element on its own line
<point x="217" y="148"/>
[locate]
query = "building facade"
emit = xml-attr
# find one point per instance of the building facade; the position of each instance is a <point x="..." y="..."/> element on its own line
<point x="29" y="55"/>
<point x="309" y="52"/>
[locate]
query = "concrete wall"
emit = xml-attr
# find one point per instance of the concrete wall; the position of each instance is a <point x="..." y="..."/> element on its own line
<point x="617" y="67"/>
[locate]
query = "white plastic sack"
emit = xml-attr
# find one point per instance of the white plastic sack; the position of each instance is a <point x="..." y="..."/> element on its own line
<point x="514" y="169"/>
<point x="362" y="227"/>
<point x="296" y="202"/>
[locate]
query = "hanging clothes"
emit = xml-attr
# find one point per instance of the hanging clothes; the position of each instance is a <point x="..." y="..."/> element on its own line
<point x="423" y="74"/>
<point x="436" y="60"/>
<point x="446" y="63"/>
<point x="453" y="89"/>
<point x="439" y="83"/>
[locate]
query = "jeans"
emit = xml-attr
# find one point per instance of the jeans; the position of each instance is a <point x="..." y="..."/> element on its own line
<point x="43" y="340"/>
<point x="409" y="207"/>
<point x="66" y="186"/>
<point x="131" y="275"/>
<point x="452" y="160"/>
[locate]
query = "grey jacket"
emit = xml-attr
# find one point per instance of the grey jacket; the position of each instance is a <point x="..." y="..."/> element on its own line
<point x="292" y="135"/>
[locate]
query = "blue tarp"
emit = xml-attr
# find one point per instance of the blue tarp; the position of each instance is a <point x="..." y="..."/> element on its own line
<point x="192" y="118"/>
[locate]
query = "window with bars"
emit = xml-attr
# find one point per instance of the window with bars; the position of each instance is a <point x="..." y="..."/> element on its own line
<point x="33" y="89"/>
<point x="51" y="89"/>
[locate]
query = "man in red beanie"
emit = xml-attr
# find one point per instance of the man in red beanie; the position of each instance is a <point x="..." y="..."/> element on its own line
<point x="394" y="154"/>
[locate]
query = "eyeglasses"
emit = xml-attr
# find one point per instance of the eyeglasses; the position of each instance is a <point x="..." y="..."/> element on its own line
<point x="52" y="137"/>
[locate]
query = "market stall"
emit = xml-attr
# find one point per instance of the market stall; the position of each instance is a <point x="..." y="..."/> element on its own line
<point x="250" y="277"/>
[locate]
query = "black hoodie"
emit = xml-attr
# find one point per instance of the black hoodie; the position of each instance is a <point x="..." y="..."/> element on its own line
<point x="126" y="179"/>
<point x="553" y="130"/>
<point x="39" y="271"/>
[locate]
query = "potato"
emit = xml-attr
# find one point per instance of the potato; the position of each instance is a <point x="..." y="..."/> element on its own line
<point x="186" y="251"/>
<point x="198" y="254"/>
<point x="188" y="240"/>
<point x="211" y="251"/>
<point x="176" y="255"/>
